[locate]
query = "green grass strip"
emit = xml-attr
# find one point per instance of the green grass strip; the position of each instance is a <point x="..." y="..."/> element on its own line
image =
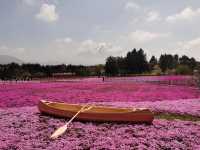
<point x="171" y="116"/>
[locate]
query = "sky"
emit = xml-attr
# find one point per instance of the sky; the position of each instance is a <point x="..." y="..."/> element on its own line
<point x="88" y="31"/>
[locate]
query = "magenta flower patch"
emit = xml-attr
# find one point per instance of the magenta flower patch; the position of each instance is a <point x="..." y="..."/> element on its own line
<point x="23" y="127"/>
<point x="94" y="90"/>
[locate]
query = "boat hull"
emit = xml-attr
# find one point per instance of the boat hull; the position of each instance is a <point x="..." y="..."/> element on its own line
<point x="96" y="113"/>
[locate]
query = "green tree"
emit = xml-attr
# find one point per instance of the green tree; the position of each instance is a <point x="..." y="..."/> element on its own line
<point x="190" y="62"/>
<point x="153" y="61"/>
<point x="111" y="66"/>
<point x="183" y="70"/>
<point x="136" y="61"/>
<point x="166" y="61"/>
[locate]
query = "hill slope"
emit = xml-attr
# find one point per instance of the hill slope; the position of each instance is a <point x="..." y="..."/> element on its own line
<point x="5" y="59"/>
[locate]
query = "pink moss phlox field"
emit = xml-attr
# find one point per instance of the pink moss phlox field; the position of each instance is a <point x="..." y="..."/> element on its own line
<point x="91" y="90"/>
<point x="25" y="128"/>
<point x="152" y="78"/>
<point x="182" y="107"/>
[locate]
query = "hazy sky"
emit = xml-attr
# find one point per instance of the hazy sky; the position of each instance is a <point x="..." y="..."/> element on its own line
<point x="87" y="31"/>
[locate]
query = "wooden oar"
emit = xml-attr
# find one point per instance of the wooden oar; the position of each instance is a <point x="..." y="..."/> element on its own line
<point x="62" y="129"/>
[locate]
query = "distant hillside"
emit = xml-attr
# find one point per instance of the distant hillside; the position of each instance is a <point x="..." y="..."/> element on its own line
<point x="5" y="59"/>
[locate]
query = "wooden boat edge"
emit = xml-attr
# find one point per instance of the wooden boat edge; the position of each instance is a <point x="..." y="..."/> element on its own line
<point x="147" y="117"/>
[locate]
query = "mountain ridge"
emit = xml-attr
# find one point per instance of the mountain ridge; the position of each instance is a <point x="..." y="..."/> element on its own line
<point x="6" y="59"/>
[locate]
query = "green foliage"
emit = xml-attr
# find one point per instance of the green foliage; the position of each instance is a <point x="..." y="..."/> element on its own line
<point x="183" y="70"/>
<point x="171" y="116"/>
<point x="153" y="62"/>
<point x="190" y="62"/>
<point x="11" y="71"/>
<point x="166" y="62"/>
<point x="29" y="71"/>
<point x="134" y="63"/>
<point x="183" y="65"/>
<point x="83" y="72"/>
<point x="156" y="70"/>
<point x="111" y="66"/>
<point x="99" y="70"/>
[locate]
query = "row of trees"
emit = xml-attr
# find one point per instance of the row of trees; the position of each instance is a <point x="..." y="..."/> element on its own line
<point x="135" y="62"/>
<point x="173" y="61"/>
<point x="29" y="71"/>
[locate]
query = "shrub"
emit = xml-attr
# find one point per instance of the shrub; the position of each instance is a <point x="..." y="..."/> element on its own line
<point x="183" y="70"/>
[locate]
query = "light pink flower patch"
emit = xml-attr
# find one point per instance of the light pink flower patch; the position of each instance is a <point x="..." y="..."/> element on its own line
<point x="182" y="107"/>
<point x="25" y="128"/>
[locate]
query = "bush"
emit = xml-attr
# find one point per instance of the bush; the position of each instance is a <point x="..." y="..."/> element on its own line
<point x="183" y="70"/>
<point x="156" y="70"/>
<point x="171" y="71"/>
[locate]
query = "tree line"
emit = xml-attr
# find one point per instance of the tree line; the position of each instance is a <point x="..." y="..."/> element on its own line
<point x="14" y="71"/>
<point x="135" y="62"/>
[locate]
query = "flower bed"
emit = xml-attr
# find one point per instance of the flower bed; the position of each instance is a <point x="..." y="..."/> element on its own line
<point x="28" y="94"/>
<point x="25" y="128"/>
<point x="181" y="107"/>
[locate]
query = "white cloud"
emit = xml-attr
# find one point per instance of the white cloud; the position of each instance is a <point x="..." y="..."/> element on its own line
<point x="87" y="52"/>
<point x="108" y="49"/>
<point x="190" y="48"/>
<point x="131" y="5"/>
<point x="148" y="16"/>
<point x="67" y="40"/>
<point x="140" y="36"/>
<point x="29" y="2"/>
<point x="3" y="47"/>
<point x="5" y="50"/>
<point x="48" y="13"/>
<point x="20" y="49"/>
<point x="88" y="47"/>
<point x="91" y="47"/>
<point x="64" y="40"/>
<point x="192" y="44"/>
<point x="153" y="16"/>
<point x="81" y="52"/>
<point x="88" y="43"/>
<point x="186" y="14"/>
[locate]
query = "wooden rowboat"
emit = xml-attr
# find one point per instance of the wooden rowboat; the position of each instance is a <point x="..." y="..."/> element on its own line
<point x="96" y="113"/>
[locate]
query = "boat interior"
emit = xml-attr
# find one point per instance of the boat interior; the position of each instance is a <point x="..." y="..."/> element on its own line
<point x="92" y="108"/>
